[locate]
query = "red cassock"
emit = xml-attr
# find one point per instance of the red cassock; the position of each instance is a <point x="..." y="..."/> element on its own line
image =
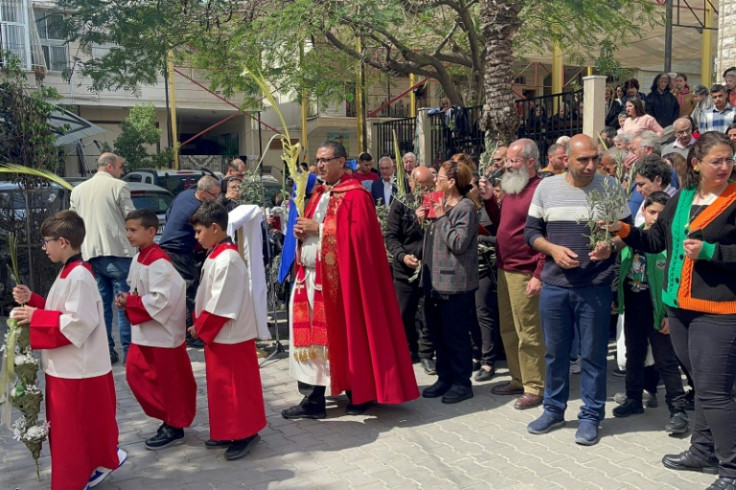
<point x="224" y="320"/>
<point x="368" y="350"/>
<point x="80" y="393"/>
<point x="158" y="368"/>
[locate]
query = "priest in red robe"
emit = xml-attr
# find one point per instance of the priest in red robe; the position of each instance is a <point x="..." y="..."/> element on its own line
<point x="343" y="306"/>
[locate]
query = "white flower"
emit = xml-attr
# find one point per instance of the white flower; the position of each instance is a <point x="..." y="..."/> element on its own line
<point x="20" y="359"/>
<point x="35" y="433"/>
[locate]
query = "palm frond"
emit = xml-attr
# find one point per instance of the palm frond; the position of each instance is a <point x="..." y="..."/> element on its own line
<point x="12" y="168"/>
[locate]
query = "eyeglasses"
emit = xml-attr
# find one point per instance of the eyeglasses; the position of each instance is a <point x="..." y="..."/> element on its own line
<point x="325" y="160"/>
<point x="442" y="177"/>
<point x="728" y="162"/>
<point x="45" y="241"/>
<point x="213" y="194"/>
<point x="683" y="132"/>
<point x="514" y="161"/>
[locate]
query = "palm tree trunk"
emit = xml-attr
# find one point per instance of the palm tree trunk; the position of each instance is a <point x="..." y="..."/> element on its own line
<point x="499" y="23"/>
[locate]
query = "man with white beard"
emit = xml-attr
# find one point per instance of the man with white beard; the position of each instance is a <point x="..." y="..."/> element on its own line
<point x="519" y="271"/>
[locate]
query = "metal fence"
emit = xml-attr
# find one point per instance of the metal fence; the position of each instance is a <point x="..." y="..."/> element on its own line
<point x="457" y="133"/>
<point x="546" y="118"/>
<point x="405" y="132"/>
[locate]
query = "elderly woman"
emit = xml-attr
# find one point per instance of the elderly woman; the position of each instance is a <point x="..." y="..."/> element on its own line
<point x="450" y="278"/>
<point x="703" y="102"/>
<point x="661" y="104"/>
<point x="698" y="230"/>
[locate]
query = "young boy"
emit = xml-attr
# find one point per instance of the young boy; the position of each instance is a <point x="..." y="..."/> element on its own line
<point x="639" y="288"/>
<point x="224" y="319"/>
<point x="68" y="328"/>
<point x="158" y="368"/>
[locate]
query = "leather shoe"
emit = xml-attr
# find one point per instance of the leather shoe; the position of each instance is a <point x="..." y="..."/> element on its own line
<point x="240" y="448"/>
<point x="629" y="407"/>
<point x="507" y="389"/>
<point x="484" y="374"/>
<point x="305" y="410"/>
<point x="687" y="461"/>
<point x="429" y="366"/>
<point x="438" y="389"/>
<point x="678" y="424"/>
<point x="457" y="393"/>
<point x="723" y="484"/>
<point x="528" y="400"/>
<point x="351" y="409"/>
<point x="215" y="444"/>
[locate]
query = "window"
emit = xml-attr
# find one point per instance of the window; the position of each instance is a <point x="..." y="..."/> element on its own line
<point x="54" y="47"/>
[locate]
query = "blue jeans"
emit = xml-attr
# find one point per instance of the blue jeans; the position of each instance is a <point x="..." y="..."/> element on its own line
<point x="111" y="274"/>
<point x="588" y="309"/>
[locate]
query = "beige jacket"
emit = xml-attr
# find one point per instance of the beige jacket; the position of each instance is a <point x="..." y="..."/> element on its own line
<point x="103" y="202"/>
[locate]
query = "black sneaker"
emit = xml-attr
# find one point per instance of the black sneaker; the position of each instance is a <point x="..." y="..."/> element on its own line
<point x="352" y="409"/>
<point x="166" y="436"/>
<point x="629" y="407"/>
<point x="305" y="410"/>
<point x="240" y="448"/>
<point x="457" y="393"/>
<point x="114" y="358"/>
<point x="215" y="444"/>
<point x="192" y="342"/>
<point x="678" y="425"/>
<point x="438" y="389"/>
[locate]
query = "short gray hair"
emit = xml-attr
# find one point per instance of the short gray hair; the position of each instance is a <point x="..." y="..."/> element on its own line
<point x="617" y="154"/>
<point x="650" y="139"/>
<point x="107" y="159"/>
<point x="409" y="154"/>
<point x="529" y="149"/>
<point x="206" y="182"/>
<point x="386" y="158"/>
<point x="624" y="138"/>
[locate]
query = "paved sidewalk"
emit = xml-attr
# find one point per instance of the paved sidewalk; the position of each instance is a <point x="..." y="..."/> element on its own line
<point x="481" y="443"/>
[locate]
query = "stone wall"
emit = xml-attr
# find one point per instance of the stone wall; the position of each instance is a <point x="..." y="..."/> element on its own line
<point x="726" y="50"/>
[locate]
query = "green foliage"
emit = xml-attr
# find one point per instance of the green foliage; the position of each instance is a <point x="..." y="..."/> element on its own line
<point x="442" y="40"/>
<point x="139" y="129"/>
<point x="26" y="138"/>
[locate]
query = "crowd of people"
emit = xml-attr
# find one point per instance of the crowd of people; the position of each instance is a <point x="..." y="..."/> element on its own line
<point x="588" y="232"/>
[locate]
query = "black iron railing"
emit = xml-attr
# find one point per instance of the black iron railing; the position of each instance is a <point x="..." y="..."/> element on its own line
<point x="546" y="118"/>
<point x="405" y="132"/>
<point x="457" y="133"/>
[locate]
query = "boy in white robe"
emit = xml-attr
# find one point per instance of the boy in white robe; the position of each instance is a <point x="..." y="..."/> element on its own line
<point x="158" y="368"/>
<point x="68" y="328"/>
<point x="225" y="321"/>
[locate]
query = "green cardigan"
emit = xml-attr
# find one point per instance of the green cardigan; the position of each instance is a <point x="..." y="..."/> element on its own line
<point x="655" y="279"/>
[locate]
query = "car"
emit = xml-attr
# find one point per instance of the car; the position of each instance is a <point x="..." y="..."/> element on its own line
<point x="153" y="197"/>
<point x="170" y="179"/>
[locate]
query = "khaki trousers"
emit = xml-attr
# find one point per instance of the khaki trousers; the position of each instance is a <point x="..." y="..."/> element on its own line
<point x="521" y="332"/>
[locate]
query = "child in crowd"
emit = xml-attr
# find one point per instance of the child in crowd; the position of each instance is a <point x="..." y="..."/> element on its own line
<point x="158" y="368"/>
<point x="639" y="287"/>
<point x="68" y="328"/>
<point x="225" y="321"/>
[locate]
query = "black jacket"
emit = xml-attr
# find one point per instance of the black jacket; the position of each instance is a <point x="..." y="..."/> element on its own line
<point x="404" y="236"/>
<point x="663" y="107"/>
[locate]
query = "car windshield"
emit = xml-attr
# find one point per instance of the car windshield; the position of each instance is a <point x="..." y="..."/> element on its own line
<point x="177" y="183"/>
<point x="158" y="202"/>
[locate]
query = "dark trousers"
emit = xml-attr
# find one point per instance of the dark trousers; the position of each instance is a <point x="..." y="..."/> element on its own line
<point x="486" y="309"/>
<point x="640" y="332"/>
<point x="186" y="266"/>
<point x="449" y="317"/>
<point x="561" y="310"/>
<point x="417" y="334"/>
<point x="706" y="345"/>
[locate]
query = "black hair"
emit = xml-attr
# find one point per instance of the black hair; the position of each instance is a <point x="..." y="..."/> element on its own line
<point x="658" y="197"/>
<point x="702" y="146"/>
<point x="653" y="166"/>
<point x="209" y="213"/>
<point x="147" y="217"/>
<point x="337" y="149"/>
<point x="364" y="157"/>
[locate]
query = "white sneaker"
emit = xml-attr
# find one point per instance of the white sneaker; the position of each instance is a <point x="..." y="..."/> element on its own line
<point x="575" y="367"/>
<point x="100" y="473"/>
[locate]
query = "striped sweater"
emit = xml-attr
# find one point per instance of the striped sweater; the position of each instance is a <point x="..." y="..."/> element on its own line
<point x="559" y="213"/>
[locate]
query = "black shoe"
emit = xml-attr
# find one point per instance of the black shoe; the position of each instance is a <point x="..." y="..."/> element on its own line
<point x="629" y="407"/>
<point x="438" y="389"/>
<point x="429" y="366"/>
<point x="476" y="365"/>
<point x="457" y="393"/>
<point x="723" y="484"/>
<point x="687" y="461"/>
<point x="165" y="437"/>
<point x="690" y="400"/>
<point x="351" y="409"/>
<point x="652" y="402"/>
<point x="484" y="374"/>
<point x="305" y="410"/>
<point x="619" y="373"/>
<point x="679" y="424"/>
<point x="240" y="448"/>
<point x="192" y="342"/>
<point x="114" y="358"/>
<point x="214" y="444"/>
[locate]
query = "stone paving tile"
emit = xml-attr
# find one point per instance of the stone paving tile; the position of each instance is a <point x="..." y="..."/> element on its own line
<point x="481" y="443"/>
